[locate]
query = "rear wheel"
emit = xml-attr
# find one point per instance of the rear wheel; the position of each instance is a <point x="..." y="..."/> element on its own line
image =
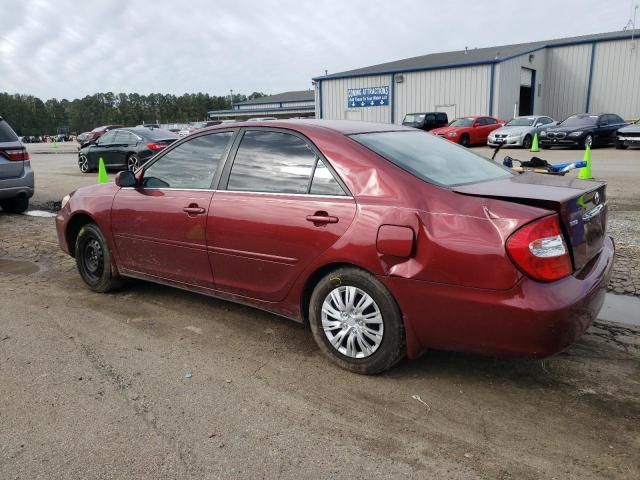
<point x="15" y="205"/>
<point x="464" y="140"/>
<point x="356" y="322"/>
<point x="526" y="143"/>
<point x="133" y="163"/>
<point x="93" y="260"/>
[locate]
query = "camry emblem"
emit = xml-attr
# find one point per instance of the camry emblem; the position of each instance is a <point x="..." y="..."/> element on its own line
<point x="596" y="198"/>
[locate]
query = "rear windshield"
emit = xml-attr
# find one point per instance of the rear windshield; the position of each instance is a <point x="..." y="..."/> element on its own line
<point x="432" y="159"/>
<point x="6" y="133"/>
<point x="159" y="134"/>
<point x="414" y="118"/>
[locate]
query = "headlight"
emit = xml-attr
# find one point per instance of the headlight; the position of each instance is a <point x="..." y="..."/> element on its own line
<point x="452" y="134"/>
<point x="65" y="200"/>
<point x="575" y="134"/>
<point x="543" y="134"/>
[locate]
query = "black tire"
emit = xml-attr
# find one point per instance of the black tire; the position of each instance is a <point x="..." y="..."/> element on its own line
<point x="464" y="140"/>
<point x="93" y="260"/>
<point x="621" y="146"/>
<point x="526" y="142"/>
<point x="392" y="347"/>
<point x="133" y="162"/>
<point x="15" y="205"/>
<point x="84" y="165"/>
<point x="587" y="140"/>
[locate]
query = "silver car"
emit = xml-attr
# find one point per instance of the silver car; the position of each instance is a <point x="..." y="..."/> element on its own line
<point x="628" y="136"/>
<point x="16" y="176"/>
<point x="519" y="132"/>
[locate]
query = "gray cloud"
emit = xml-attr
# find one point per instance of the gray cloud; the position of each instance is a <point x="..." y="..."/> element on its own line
<point x="69" y="49"/>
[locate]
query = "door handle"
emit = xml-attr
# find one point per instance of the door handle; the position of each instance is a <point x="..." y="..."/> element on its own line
<point x="321" y="218"/>
<point x="193" y="209"/>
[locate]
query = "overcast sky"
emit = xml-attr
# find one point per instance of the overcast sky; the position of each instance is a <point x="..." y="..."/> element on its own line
<point x="68" y="49"/>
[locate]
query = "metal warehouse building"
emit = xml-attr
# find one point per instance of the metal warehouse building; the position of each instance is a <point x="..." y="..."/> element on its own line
<point x="283" y="105"/>
<point x="592" y="73"/>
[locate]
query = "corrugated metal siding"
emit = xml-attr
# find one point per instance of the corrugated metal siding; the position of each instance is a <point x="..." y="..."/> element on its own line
<point x="334" y="98"/>
<point x="615" y="84"/>
<point x="467" y="88"/>
<point x="507" y="85"/>
<point x="566" y="80"/>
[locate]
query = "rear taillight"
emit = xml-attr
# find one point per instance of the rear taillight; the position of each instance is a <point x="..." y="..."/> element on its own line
<point x="16" y="154"/>
<point x="540" y="251"/>
<point x="155" y="146"/>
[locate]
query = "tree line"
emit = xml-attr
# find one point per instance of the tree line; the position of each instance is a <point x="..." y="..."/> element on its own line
<point x="29" y="115"/>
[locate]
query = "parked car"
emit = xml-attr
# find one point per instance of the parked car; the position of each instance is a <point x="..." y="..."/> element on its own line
<point x="519" y="131"/>
<point x="96" y="133"/>
<point x="124" y="148"/>
<point x="469" y="131"/>
<point x="628" y="136"/>
<point x="582" y="130"/>
<point x="16" y="175"/>
<point x="426" y="121"/>
<point x="83" y="138"/>
<point x="450" y="250"/>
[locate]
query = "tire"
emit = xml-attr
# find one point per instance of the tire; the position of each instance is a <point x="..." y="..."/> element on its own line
<point x="464" y="140"/>
<point x="93" y="260"/>
<point x="588" y="140"/>
<point x="133" y="163"/>
<point x="621" y="146"/>
<point x="369" y="351"/>
<point x="83" y="164"/>
<point x="526" y="142"/>
<point x="15" y="205"/>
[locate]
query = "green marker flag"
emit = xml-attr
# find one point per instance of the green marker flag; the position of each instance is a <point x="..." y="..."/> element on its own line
<point x="585" y="172"/>
<point x="102" y="172"/>
<point x="55" y="144"/>
<point x="534" y="144"/>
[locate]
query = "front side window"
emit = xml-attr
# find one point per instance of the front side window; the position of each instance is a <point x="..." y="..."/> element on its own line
<point x="432" y="159"/>
<point x="191" y="165"/>
<point x="269" y="161"/>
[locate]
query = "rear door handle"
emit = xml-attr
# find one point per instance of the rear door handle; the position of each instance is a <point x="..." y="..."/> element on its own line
<point x="321" y="217"/>
<point x="193" y="209"/>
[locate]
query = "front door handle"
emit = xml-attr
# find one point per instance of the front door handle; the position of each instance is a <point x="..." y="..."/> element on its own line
<point x="319" y="218"/>
<point x="193" y="209"/>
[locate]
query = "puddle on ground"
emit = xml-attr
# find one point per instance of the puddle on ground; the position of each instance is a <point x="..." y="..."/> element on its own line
<point x="40" y="213"/>
<point x="622" y="309"/>
<point x="18" y="267"/>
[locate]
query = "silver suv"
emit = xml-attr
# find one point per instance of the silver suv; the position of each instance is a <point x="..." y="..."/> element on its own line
<point x="16" y="176"/>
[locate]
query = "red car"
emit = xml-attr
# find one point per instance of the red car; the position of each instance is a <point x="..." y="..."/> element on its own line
<point x="385" y="240"/>
<point x="469" y="130"/>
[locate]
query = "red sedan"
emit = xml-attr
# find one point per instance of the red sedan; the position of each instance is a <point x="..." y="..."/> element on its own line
<point x="469" y="130"/>
<point x="385" y="240"/>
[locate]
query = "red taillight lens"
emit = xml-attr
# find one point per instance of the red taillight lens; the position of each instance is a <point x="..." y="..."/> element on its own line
<point x="155" y="146"/>
<point x="16" y="155"/>
<point x="540" y="251"/>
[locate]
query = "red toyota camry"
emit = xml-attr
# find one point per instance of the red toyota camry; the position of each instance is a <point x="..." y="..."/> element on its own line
<point x="386" y="241"/>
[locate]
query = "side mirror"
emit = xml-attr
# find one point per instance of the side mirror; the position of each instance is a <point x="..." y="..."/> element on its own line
<point x="126" y="178"/>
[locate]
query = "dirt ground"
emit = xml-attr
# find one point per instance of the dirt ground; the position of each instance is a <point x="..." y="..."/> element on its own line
<point x="153" y="382"/>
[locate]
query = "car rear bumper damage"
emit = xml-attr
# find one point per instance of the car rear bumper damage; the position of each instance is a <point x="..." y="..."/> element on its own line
<point x="532" y="319"/>
<point x="18" y="186"/>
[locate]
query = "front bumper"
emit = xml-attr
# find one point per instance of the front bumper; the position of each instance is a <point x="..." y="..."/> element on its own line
<point x="505" y="142"/>
<point x="531" y="320"/>
<point x="23" y="185"/>
<point x="629" y="141"/>
<point x="560" y="142"/>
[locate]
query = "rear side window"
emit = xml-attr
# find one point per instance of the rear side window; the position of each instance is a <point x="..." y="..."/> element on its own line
<point x="191" y="165"/>
<point x="6" y="133"/>
<point x="269" y="161"/>
<point x="432" y="159"/>
<point x="324" y="183"/>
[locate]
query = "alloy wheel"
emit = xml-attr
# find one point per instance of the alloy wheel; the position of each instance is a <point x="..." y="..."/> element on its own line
<point x="83" y="163"/>
<point x="133" y="163"/>
<point x="352" y="322"/>
<point x="588" y="141"/>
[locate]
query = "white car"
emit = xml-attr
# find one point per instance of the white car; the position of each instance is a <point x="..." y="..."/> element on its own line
<point x="519" y="131"/>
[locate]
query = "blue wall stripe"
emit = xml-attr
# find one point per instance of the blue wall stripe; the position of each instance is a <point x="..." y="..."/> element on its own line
<point x="320" y="95"/>
<point x="593" y="54"/>
<point x="491" y="75"/>
<point x="393" y="98"/>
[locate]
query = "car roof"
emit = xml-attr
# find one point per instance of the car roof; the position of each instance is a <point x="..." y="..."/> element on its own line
<point x="346" y="127"/>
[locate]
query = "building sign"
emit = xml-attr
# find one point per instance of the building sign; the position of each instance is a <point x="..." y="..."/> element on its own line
<point x="368" y="97"/>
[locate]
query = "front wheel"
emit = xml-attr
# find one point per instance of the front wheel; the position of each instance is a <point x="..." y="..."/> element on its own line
<point x="356" y="322"/>
<point x="526" y="143"/>
<point x="83" y="164"/>
<point x="464" y="140"/>
<point x="93" y="260"/>
<point x="587" y="142"/>
<point x="621" y="146"/>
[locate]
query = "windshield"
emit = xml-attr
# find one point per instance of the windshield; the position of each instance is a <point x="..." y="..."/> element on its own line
<point x="462" y="122"/>
<point x="521" y="122"/>
<point x="413" y="118"/>
<point x="432" y="159"/>
<point x="580" y="121"/>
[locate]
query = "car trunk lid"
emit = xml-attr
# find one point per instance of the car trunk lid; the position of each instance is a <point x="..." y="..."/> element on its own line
<point x="581" y="206"/>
